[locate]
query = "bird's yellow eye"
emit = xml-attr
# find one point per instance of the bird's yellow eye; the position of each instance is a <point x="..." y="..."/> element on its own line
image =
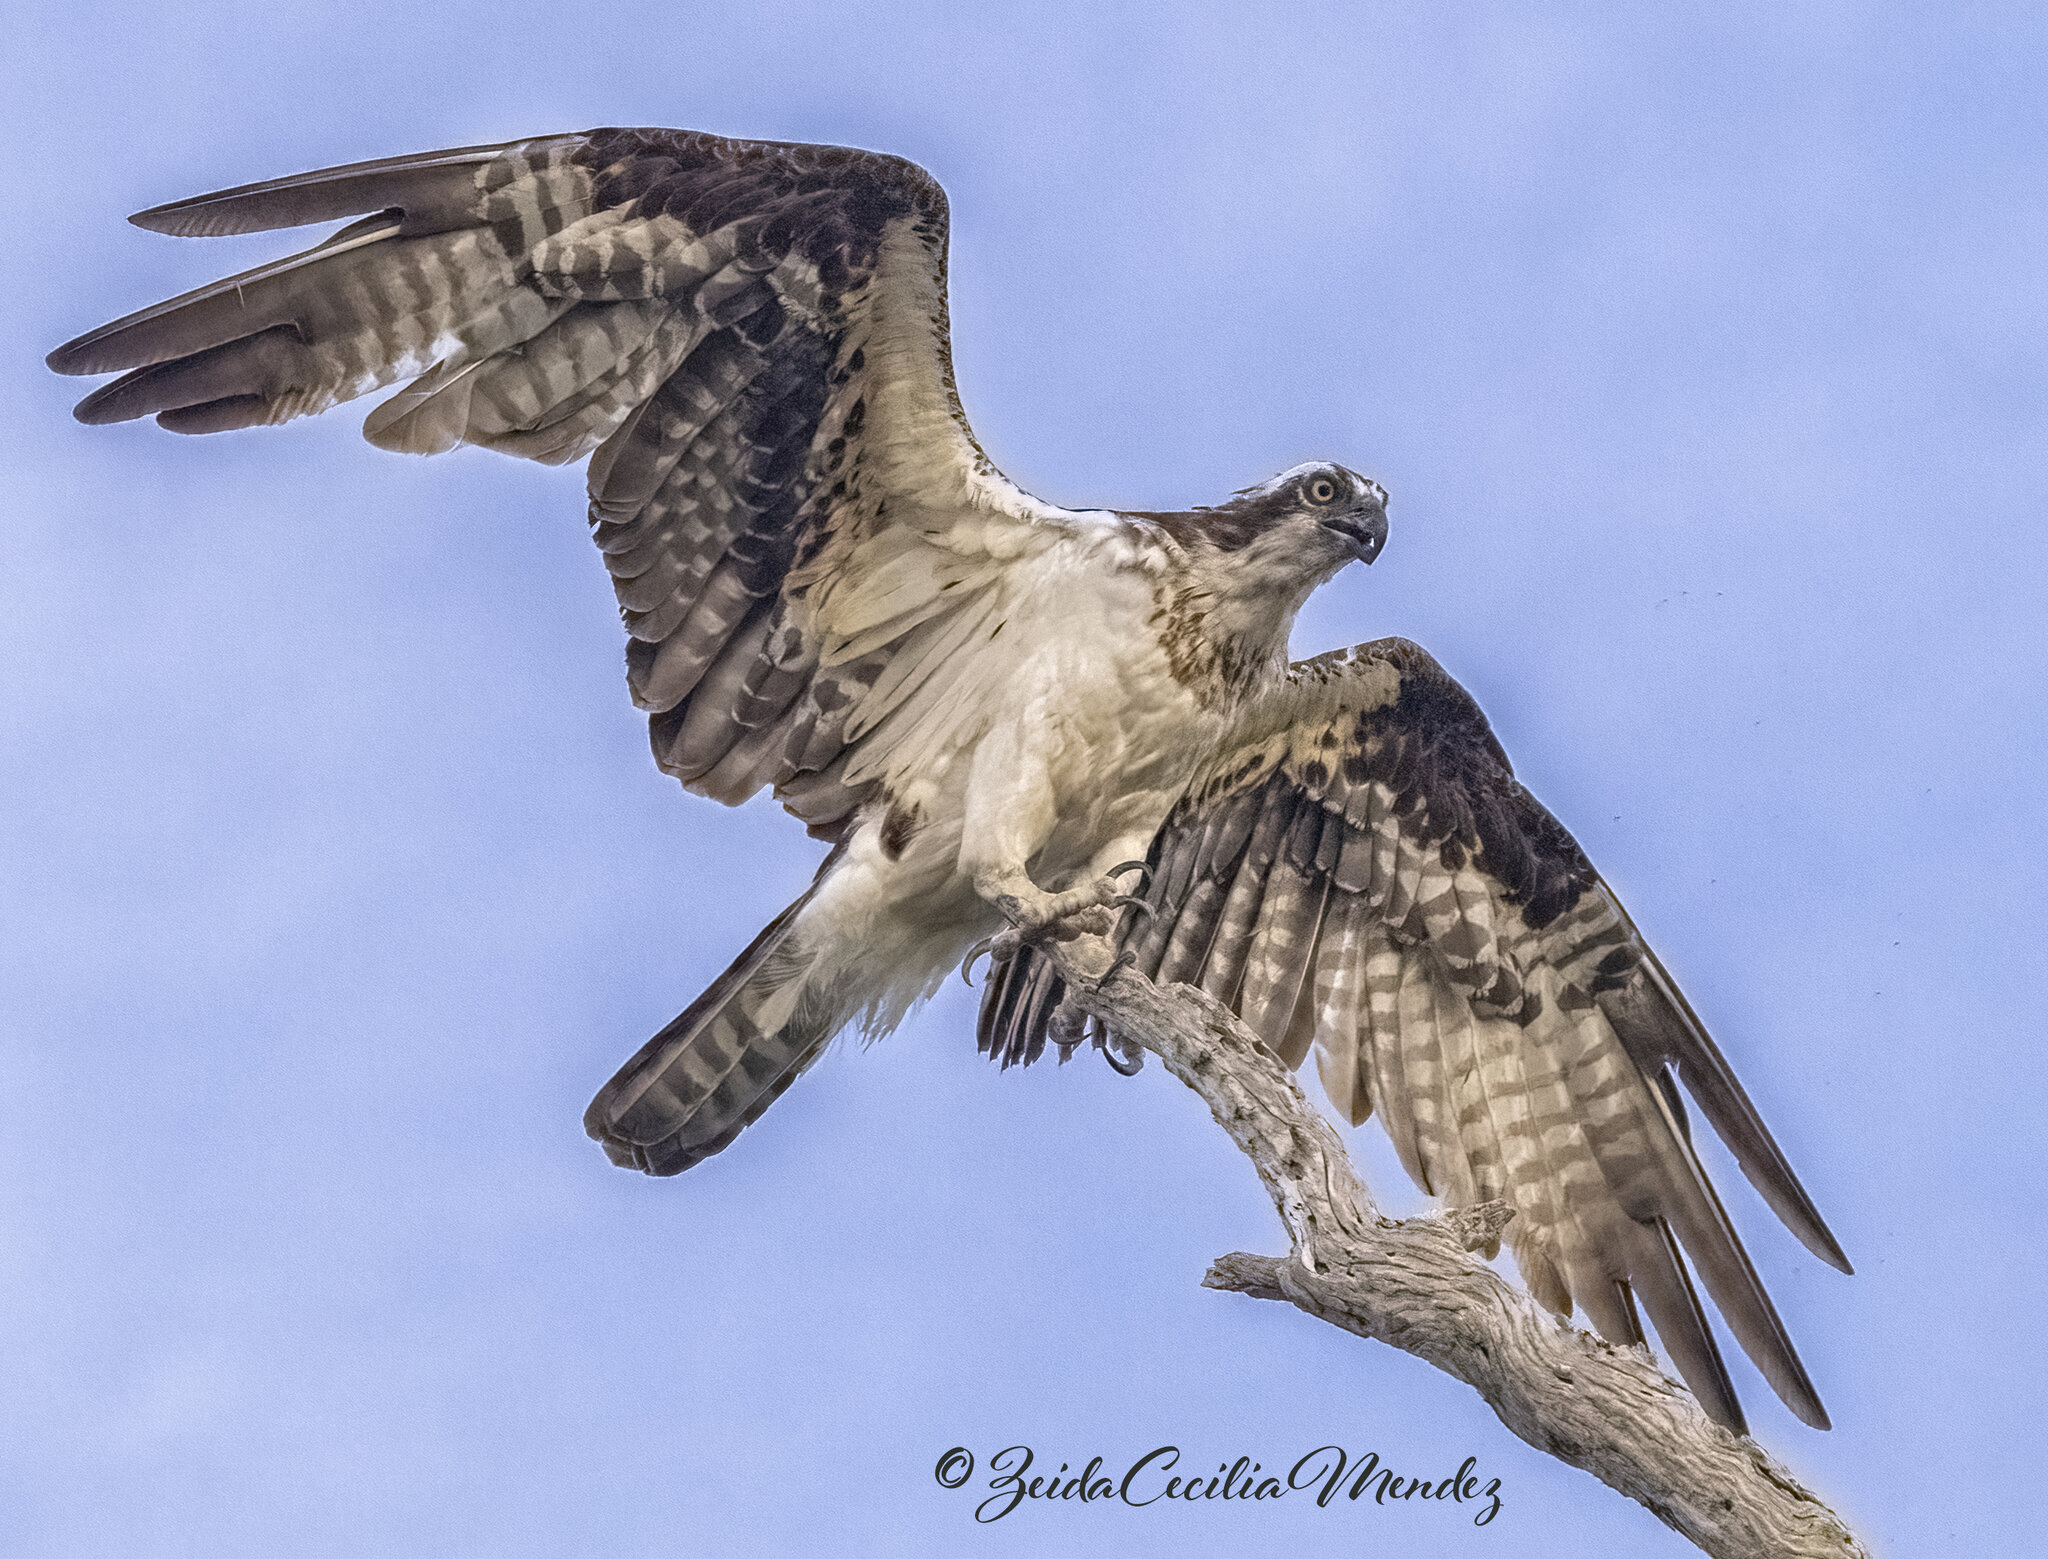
<point x="1319" y="490"/>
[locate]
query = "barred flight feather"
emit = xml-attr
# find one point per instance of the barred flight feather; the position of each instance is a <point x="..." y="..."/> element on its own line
<point x="691" y="305"/>
<point x="1467" y="978"/>
<point x="1236" y="920"/>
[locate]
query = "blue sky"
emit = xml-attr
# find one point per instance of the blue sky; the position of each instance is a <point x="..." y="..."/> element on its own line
<point x="1701" y="350"/>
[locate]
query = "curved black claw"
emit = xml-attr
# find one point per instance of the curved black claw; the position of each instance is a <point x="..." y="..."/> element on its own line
<point x="1124" y="1058"/>
<point x="1132" y="901"/>
<point x="985" y="945"/>
<point x="1131" y="866"/>
<point x="1124" y="960"/>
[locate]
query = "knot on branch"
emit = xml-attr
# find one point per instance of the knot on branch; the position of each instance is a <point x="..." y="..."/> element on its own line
<point x="1478" y="1227"/>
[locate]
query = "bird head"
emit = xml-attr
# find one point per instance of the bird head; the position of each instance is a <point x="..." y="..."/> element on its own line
<point x="1246" y="566"/>
<point x="1294" y="533"/>
<point x="1350" y="509"/>
<point x="1310" y="520"/>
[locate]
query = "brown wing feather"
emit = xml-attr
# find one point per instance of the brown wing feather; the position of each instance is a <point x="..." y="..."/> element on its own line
<point x="711" y="317"/>
<point x="1363" y="866"/>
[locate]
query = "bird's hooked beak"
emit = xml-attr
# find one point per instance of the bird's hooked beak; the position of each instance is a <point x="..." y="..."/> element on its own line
<point x="1363" y="529"/>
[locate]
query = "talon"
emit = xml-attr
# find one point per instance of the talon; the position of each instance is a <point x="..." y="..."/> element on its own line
<point x="985" y="945"/>
<point x="1124" y="960"/>
<point x="1131" y="866"/>
<point x="1132" y="901"/>
<point x="1124" y="1058"/>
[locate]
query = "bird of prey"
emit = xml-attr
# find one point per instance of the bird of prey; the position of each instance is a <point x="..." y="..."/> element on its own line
<point x="991" y="705"/>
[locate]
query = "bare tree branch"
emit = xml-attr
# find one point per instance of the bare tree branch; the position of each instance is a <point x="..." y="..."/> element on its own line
<point x="1599" y="1407"/>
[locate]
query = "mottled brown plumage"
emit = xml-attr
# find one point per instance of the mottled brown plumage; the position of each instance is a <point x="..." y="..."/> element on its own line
<point x="1358" y="869"/>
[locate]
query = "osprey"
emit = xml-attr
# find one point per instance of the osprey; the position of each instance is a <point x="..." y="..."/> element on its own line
<point x="991" y="705"/>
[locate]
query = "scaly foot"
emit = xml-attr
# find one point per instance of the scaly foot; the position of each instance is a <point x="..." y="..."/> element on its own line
<point x="1035" y="916"/>
<point x="1069" y="1026"/>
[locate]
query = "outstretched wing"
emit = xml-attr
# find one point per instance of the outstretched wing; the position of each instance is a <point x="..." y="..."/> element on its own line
<point x="1361" y="871"/>
<point x="751" y="338"/>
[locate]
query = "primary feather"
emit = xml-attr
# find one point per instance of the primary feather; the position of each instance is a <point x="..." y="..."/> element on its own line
<point x="1359" y="850"/>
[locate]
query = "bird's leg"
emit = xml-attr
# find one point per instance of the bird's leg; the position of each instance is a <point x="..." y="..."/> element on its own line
<point x="1069" y="1024"/>
<point x="1089" y="910"/>
<point x="1096" y="921"/>
<point x="1011" y="810"/>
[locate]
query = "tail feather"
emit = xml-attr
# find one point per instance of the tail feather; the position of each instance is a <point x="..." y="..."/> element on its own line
<point x="709" y="1074"/>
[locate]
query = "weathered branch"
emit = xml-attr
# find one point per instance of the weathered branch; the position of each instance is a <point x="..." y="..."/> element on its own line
<point x="1599" y="1407"/>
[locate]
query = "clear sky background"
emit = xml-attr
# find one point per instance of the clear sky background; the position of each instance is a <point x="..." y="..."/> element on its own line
<point x="1701" y="349"/>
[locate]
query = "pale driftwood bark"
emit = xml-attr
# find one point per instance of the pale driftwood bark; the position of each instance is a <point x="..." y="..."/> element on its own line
<point x="1414" y="1284"/>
